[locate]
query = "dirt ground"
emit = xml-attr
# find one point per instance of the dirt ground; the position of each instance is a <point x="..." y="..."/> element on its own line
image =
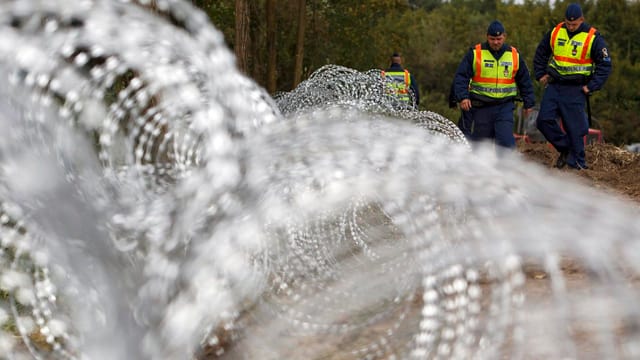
<point x="610" y="168"/>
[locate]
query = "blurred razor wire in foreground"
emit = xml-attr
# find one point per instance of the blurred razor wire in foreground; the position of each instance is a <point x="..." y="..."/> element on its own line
<point x="155" y="207"/>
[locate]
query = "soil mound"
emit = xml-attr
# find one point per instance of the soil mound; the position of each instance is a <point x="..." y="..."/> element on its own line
<point x="610" y="167"/>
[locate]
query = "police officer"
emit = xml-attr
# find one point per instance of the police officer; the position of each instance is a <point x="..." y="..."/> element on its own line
<point x="402" y="82"/>
<point x="491" y="75"/>
<point x="571" y="61"/>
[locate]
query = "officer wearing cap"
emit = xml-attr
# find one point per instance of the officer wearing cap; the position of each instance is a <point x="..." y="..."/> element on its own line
<point x="571" y="61"/>
<point x="401" y="82"/>
<point x="489" y="78"/>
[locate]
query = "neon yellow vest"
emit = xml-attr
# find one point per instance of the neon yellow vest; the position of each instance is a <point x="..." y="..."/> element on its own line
<point x="494" y="78"/>
<point x="399" y="84"/>
<point x="572" y="56"/>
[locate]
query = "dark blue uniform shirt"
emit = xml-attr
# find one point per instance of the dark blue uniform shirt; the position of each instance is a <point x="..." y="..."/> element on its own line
<point x="599" y="54"/>
<point x="465" y="73"/>
<point x="413" y="86"/>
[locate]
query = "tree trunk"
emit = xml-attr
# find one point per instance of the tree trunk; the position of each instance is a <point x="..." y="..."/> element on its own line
<point x="297" y="74"/>
<point x="242" y="35"/>
<point x="271" y="46"/>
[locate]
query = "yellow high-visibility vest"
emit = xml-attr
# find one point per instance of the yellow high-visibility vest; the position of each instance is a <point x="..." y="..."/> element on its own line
<point x="494" y="78"/>
<point x="572" y="56"/>
<point x="399" y="84"/>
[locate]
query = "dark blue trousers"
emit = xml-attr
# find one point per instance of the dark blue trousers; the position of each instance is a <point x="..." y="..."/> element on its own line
<point x="490" y="122"/>
<point x="566" y="102"/>
<point x="465" y="124"/>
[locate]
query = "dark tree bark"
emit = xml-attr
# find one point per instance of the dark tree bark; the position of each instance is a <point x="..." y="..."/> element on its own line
<point x="271" y="46"/>
<point x="242" y="39"/>
<point x="297" y="74"/>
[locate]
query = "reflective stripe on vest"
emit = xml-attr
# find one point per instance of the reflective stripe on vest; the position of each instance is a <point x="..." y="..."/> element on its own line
<point x="495" y="78"/>
<point x="399" y="84"/>
<point x="572" y="56"/>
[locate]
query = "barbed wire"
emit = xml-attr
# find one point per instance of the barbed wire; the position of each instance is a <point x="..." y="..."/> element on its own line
<point x="158" y="204"/>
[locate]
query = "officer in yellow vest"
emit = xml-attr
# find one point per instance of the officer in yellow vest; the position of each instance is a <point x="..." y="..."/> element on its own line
<point x="488" y="80"/>
<point x="571" y="61"/>
<point x="401" y="82"/>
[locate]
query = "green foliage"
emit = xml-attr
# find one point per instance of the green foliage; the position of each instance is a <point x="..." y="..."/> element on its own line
<point x="433" y="36"/>
<point x="353" y="28"/>
<point x="221" y="13"/>
<point x="618" y="102"/>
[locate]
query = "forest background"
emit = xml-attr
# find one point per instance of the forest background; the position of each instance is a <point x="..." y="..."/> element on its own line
<point x="279" y="43"/>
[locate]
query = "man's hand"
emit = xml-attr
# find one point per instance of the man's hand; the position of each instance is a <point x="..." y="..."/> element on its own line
<point x="465" y="105"/>
<point x="585" y="90"/>
<point x="544" y="80"/>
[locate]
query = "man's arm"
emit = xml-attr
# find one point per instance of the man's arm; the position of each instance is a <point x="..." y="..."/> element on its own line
<point x="463" y="75"/>
<point x="452" y="96"/>
<point x="525" y="85"/>
<point x="541" y="57"/>
<point x="414" y="89"/>
<point x="525" y="88"/>
<point x="602" y="62"/>
<point x="461" y="81"/>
